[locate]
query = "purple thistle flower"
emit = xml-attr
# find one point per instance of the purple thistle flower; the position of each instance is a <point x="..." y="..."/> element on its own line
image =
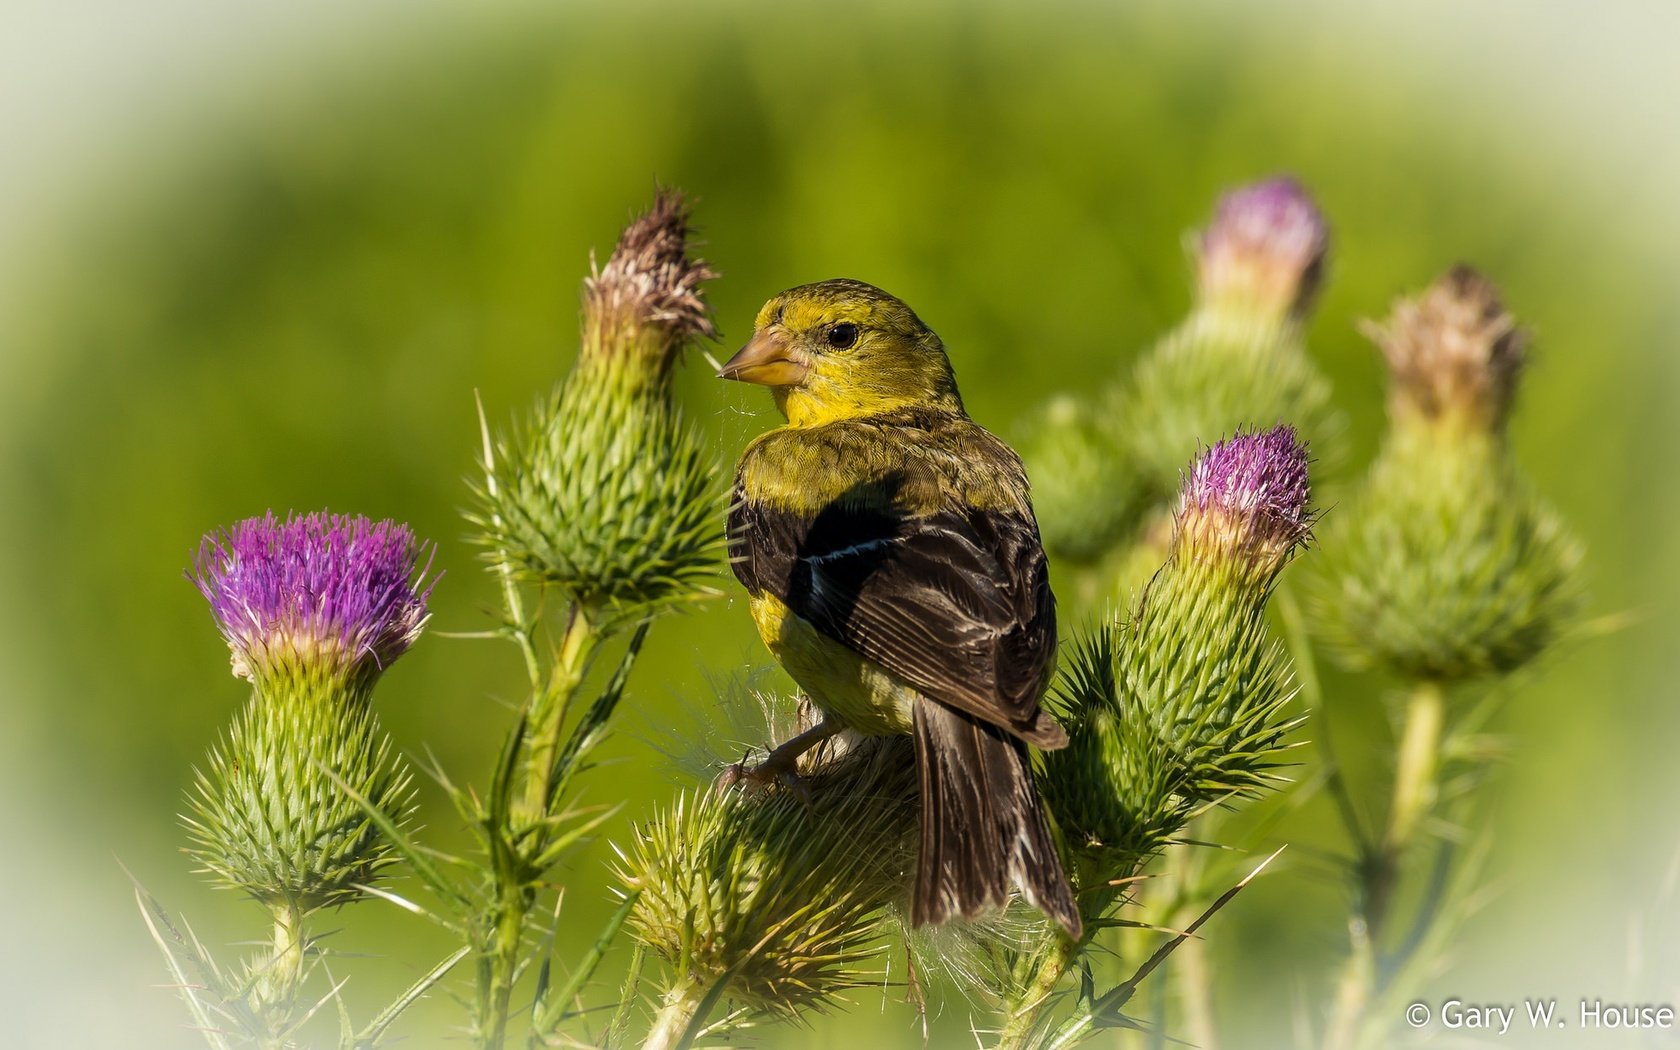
<point x="1264" y="248"/>
<point x="315" y="589"/>
<point x="1248" y="493"/>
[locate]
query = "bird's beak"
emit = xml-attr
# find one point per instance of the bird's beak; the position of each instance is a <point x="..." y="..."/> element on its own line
<point x="767" y="360"/>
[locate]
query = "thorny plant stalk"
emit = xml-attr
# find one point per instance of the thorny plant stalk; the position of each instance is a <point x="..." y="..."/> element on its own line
<point x="681" y="1015"/>
<point x="1236" y="360"/>
<point x="513" y="893"/>
<point x="1042" y="975"/>
<point x="549" y="707"/>
<point x="1378" y="864"/>
<point x="606" y="501"/>
<point x="285" y="972"/>
<point x="1174" y="710"/>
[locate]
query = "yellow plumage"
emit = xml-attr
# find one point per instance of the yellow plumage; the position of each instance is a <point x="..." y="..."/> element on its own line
<point x="859" y="692"/>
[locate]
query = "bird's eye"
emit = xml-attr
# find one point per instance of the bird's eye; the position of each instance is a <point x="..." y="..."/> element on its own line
<point x="843" y="336"/>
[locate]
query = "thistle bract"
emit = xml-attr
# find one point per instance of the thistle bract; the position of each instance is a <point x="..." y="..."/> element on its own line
<point x="267" y="817"/>
<point x="1181" y="705"/>
<point x="608" y="495"/>
<point x="314" y="609"/>
<point x="1446" y="565"/>
<point x="782" y="896"/>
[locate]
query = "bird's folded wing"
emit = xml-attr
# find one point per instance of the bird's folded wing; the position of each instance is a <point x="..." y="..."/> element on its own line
<point x="956" y="604"/>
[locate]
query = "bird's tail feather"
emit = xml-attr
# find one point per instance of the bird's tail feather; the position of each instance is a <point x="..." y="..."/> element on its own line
<point x="983" y="825"/>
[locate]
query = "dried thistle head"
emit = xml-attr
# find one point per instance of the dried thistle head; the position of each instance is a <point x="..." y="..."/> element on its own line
<point x="1453" y="352"/>
<point x="1446" y="566"/>
<point x="781" y="896"/>
<point x="1264" y="251"/>
<point x="607" y="494"/>
<point x="645" y="305"/>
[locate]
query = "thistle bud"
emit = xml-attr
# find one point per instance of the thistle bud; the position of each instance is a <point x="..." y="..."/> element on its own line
<point x="1182" y="704"/>
<point x="1238" y="360"/>
<point x="313" y="610"/>
<point x="608" y="495"/>
<point x="1453" y="352"/>
<point x="1446" y="566"/>
<point x="1263" y="252"/>
<point x="781" y="894"/>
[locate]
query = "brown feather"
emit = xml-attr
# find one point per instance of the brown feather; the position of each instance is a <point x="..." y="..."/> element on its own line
<point x="983" y="826"/>
<point x="956" y="604"/>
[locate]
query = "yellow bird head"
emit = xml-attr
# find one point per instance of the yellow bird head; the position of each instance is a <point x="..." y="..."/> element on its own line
<point x="843" y="349"/>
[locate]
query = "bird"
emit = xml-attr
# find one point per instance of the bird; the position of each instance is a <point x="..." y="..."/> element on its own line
<point x="888" y="546"/>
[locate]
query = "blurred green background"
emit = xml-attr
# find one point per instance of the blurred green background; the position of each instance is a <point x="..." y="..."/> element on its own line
<point x="256" y="260"/>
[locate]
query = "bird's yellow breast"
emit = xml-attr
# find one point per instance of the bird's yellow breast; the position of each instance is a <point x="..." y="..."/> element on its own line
<point x="856" y="691"/>
<point x="914" y="463"/>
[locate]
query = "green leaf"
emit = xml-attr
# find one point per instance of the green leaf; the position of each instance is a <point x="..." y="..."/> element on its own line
<point x="555" y="1010"/>
<point x="1103" y="1011"/>
<point x="587" y="732"/>
<point x="370" y="1035"/>
<point x="171" y="941"/>
<point x="558" y="847"/>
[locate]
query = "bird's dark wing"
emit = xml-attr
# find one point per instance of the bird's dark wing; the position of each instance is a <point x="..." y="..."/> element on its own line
<point x="956" y="604"/>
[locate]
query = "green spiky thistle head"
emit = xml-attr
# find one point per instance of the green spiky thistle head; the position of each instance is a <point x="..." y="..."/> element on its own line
<point x="1446" y="566"/>
<point x="607" y="494"/>
<point x="314" y="609"/>
<point x="1181" y="705"/>
<point x="1086" y="492"/>
<point x="780" y="895"/>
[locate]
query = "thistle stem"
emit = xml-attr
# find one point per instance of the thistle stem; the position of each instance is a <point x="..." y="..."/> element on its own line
<point x="1195" y="992"/>
<point x="1027" y="1010"/>
<point x="500" y="965"/>
<point x="284" y="972"/>
<point x="679" y="1019"/>
<point x="549" y="706"/>
<point x="1415" y="777"/>
<point x="499" y="968"/>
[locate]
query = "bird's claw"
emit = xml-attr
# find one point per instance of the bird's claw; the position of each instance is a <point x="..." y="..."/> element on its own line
<point x="772" y="772"/>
